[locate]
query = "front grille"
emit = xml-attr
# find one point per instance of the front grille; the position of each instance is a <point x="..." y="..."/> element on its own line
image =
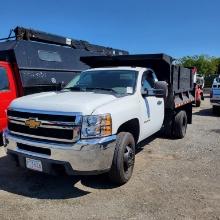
<point x="40" y="116"/>
<point x="49" y="126"/>
<point x="39" y="150"/>
<point x="43" y="132"/>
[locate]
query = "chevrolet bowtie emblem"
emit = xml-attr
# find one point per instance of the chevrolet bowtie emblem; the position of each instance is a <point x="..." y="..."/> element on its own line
<point x="32" y="123"/>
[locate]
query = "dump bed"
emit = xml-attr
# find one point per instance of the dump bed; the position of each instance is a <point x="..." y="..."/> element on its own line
<point x="45" y="60"/>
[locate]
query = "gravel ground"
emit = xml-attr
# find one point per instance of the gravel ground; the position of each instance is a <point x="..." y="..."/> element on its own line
<point x="173" y="179"/>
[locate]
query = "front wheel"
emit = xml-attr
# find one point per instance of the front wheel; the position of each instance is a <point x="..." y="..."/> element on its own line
<point x="124" y="158"/>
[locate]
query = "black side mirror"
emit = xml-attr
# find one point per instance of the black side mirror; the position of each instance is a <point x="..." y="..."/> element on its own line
<point x="162" y="85"/>
<point x="160" y="90"/>
<point x="153" y="92"/>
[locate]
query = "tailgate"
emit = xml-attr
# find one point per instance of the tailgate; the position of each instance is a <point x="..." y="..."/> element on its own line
<point x="216" y="93"/>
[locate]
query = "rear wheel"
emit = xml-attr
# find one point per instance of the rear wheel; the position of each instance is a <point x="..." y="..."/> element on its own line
<point x="180" y="125"/>
<point x="202" y="96"/>
<point x="124" y="158"/>
<point x="198" y="103"/>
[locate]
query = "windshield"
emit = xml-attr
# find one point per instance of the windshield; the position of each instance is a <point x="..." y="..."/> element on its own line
<point x="121" y="82"/>
<point x="217" y="79"/>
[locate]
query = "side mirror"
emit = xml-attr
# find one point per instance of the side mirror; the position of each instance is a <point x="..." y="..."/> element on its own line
<point x="162" y="85"/>
<point x="160" y="90"/>
<point x="153" y="92"/>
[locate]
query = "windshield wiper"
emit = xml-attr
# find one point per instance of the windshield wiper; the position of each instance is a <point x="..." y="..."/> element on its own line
<point x="77" y="88"/>
<point x="100" y="88"/>
<point x="74" y="88"/>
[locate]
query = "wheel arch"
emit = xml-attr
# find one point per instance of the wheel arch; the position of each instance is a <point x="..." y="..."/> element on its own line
<point x="132" y="126"/>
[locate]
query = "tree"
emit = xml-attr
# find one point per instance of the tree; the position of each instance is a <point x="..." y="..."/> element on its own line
<point x="217" y="62"/>
<point x="205" y="65"/>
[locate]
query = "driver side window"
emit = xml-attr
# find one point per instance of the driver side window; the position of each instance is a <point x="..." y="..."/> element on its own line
<point x="148" y="80"/>
<point x="4" y="83"/>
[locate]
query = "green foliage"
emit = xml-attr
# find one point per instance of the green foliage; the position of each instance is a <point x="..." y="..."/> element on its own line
<point x="205" y="65"/>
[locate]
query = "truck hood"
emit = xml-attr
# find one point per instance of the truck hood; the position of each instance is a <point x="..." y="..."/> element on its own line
<point x="83" y="102"/>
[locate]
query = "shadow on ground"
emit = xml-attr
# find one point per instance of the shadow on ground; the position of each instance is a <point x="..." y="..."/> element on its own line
<point x="42" y="186"/>
<point x="31" y="184"/>
<point x="206" y="112"/>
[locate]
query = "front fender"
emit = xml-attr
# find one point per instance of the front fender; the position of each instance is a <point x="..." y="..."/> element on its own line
<point x="122" y="110"/>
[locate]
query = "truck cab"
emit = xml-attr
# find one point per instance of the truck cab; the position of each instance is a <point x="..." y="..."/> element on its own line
<point x="8" y="92"/>
<point x="95" y="123"/>
<point x="215" y="95"/>
<point x="199" y="84"/>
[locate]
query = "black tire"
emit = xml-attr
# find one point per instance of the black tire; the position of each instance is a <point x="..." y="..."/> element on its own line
<point x="215" y="109"/>
<point x="1" y="140"/>
<point x="124" y="158"/>
<point x="180" y="125"/>
<point x="202" y="97"/>
<point x="198" y="103"/>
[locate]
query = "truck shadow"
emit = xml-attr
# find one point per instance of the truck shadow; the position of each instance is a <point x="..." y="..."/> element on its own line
<point x="23" y="182"/>
<point x="206" y="112"/>
<point x="37" y="185"/>
<point x="42" y="186"/>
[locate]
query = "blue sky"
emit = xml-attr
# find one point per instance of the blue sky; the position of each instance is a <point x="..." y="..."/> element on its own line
<point x="176" y="27"/>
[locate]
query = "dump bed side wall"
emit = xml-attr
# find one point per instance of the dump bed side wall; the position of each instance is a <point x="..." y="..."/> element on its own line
<point x="180" y="95"/>
<point x="182" y="79"/>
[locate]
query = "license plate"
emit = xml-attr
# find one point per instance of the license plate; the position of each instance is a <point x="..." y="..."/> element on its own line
<point x="34" y="164"/>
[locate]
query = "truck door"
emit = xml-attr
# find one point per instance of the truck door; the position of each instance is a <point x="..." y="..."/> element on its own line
<point x="7" y="92"/>
<point x="152" y="107"/>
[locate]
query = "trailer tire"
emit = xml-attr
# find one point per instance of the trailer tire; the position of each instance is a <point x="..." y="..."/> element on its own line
<point x="198" y="103"/>
<point x="202" y="96"/>
<point x="124" y="158"/>
<point x="180" y="125"/>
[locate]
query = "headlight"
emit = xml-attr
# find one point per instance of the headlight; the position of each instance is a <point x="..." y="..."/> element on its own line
<point x="96" y="126"/>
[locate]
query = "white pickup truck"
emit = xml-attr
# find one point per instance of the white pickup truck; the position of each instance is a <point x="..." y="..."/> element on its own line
<point x="95" y="123"/>
<point x="215" y="95"/>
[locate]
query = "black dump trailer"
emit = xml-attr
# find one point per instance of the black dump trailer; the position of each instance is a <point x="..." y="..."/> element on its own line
<point x="179" y="80"/>
<point x="44" y="60"/>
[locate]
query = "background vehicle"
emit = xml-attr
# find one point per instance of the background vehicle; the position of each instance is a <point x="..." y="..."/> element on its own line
<point x="199" y="83"/>
<point x="34" y="61"/>
<point x="215" y="95"/>
<point x="93" y="125"/>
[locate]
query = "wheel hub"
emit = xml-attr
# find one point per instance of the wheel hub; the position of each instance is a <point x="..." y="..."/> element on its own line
<point x="128" y="158"/>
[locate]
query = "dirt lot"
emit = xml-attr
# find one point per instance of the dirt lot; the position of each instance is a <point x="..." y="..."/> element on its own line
<point x="173" y="179"/>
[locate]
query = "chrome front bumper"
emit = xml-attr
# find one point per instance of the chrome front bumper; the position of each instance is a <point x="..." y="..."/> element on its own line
<point x="84" y="156"/>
